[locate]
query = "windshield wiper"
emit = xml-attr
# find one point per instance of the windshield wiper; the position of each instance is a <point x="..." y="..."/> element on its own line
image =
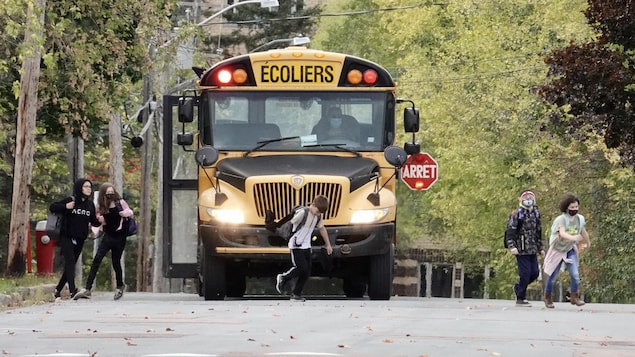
<point x="339" y="146"/>
<point x="263" y="143"/>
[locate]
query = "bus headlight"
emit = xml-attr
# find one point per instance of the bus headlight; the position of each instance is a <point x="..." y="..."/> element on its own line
<point x="369" y="216"/>
<point x="226" y="215"/>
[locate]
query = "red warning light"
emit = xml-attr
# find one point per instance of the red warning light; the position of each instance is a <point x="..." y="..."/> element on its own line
<point x="370" y="76"/>
<point x="224" y="76"/>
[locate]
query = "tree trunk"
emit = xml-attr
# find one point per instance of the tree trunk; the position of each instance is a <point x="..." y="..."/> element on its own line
<point x="25" y="138"/>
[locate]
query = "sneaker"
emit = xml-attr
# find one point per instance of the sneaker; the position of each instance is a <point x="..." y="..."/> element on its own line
<point x="295" y="297"/>
<point x="279" y="283"/>
<point x="119" y="292"/>
<point x="75" y="295"/>
<point x="523" y="303"/>
<point x="82" y="294"/>
<point x="56" y="294"/>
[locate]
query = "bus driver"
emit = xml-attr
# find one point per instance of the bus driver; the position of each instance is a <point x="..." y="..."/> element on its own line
<point x="337" y="126"/>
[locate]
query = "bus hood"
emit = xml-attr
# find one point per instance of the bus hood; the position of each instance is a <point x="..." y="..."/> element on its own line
<point x="358" y="170"/>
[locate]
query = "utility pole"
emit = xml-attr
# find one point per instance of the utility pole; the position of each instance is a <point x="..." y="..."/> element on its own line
<point x="143" y="279"/>
<point x="145" y="211"/>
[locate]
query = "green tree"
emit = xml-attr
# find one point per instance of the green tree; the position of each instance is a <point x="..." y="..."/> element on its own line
<point x="93" y="55"/>
<point x="591" y="84"/>
<point x="473" y="69"/>
<point x="258" y="25"/>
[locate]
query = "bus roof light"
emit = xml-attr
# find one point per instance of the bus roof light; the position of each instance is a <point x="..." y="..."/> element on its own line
<point x="370" y="76"/>
<point x="240" y="76"/>
<point x="224" y="76"/>
<point x="354" y="77"/>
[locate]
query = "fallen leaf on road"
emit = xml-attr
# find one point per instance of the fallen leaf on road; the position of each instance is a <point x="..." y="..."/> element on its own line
<point x="388" y="341"/>
<point x="343" y="346"/>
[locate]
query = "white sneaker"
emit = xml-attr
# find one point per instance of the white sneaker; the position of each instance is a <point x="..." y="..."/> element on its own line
<point x="119" y="292"/>
<point x="82" y="294"/>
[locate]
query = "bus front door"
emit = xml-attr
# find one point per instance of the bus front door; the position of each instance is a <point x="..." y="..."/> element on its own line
<point x="179" y="202"/>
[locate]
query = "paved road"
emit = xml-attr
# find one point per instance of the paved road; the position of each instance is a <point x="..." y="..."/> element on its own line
<point x="144" y="324"/>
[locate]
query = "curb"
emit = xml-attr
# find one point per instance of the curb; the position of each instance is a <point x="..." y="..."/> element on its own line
<point x="32" y="294"/>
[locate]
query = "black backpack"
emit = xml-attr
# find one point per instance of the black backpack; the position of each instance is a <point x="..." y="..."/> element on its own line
<point x="54" y="223"/>
<point x="286" y="227"/>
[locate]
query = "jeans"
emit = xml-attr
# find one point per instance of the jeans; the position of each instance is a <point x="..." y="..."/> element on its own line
<point x="572" y="267"/>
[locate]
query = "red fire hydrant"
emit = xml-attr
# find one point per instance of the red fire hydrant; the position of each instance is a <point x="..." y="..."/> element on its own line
<point x="44" y="250"/>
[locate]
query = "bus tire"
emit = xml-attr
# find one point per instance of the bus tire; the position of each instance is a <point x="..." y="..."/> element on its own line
<point x="354" y="287"/>
<point x="213" y="278"/>
<point x="380" y="276"/>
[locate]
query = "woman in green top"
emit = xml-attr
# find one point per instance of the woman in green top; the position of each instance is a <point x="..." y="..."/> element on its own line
<point x="566" y="232"/>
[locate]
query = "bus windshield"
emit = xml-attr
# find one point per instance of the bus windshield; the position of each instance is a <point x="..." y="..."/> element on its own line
<point x="305" y="121"/>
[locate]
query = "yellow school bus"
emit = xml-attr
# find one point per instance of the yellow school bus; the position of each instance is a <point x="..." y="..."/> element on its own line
<point x="270" y="131"/>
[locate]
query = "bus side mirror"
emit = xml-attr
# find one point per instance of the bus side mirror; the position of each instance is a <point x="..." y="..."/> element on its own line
<point x="186" y="110"/>
<point x="395" y="156"/>
<point x="184" y="139"/>
<point x="411" y="119"/>
<point x="206" y="156"/>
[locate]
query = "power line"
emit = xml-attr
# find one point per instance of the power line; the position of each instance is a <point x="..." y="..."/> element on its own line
<point x="350" y="13"/>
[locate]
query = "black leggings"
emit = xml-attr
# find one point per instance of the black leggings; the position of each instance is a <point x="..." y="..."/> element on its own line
<point x="70" y="252"/>
<point x="116" y="244"/>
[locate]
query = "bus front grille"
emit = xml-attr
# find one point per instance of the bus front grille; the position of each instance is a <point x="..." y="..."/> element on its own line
<point x="280" y="197"/>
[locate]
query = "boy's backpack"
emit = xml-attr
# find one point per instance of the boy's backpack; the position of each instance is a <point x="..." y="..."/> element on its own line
<point x="521" y="219"/>
<point x="286" y="230"/>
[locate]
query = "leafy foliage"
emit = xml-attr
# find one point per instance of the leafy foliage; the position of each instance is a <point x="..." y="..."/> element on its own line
<point x="474" y="69"/>
<point x="92" y="49"/>
<point x="593" y="81"/>
<point x="258" y="26"/>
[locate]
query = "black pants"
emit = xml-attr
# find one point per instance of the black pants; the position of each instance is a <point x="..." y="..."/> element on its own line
<point x="301" y="269"/>
<point x="71" y="249"/>
<point x="114" y="243"/>
<point x="527" y="273"/>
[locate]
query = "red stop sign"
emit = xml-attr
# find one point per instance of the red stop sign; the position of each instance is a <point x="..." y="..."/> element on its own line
<point x="420" y="171"/>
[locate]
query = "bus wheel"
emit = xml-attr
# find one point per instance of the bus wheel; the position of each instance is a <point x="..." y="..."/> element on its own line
<point x="380" y="276"/>
<point x="213" y="278"/>
<point x="354" y="287"/>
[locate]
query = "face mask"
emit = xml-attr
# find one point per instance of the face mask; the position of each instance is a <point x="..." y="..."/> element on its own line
<point x="572" y="212"/>
<point x="528" y="202"/>
<point x="110" y="196"/>
<point x="336" y="122"/>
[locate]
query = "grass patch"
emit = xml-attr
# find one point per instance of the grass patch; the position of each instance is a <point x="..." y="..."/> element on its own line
<point x="11" y="285"/>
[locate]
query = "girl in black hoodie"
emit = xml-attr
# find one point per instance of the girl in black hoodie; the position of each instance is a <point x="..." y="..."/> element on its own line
<point x="80" y="212"/>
